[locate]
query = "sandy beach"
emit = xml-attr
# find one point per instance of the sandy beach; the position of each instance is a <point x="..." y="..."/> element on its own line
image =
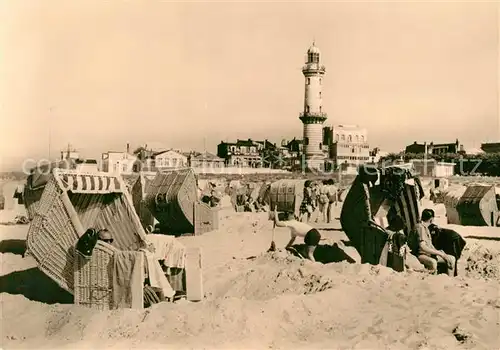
<point x="257" y="300"/>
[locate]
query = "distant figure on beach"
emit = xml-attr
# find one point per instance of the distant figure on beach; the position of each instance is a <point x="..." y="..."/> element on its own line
<point x="328" y="196"/>
<point x="300" y="229"/>
<point x="309" y="202"/>
<point x="427" y="254"/>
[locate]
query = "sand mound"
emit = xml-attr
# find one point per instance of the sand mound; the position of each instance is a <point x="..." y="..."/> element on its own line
<point x="280" y="273"/>
<point x="273" y="275"/>
<point x="481" y="261"/>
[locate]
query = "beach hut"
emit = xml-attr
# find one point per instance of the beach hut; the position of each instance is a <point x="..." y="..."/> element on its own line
<point x="71" y="204"/>
<point x="172" y="198"/>
<point x="375" y="195"/>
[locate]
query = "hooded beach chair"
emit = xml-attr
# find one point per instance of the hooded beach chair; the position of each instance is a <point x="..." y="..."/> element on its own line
<point x="471" y="205"/>
<point x="71" y="204"/>
<point x="375" y="195"/>
<point x="172" y="198"/>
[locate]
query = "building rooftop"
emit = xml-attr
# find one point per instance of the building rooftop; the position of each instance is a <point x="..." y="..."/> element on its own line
<point x="205" y="156"/>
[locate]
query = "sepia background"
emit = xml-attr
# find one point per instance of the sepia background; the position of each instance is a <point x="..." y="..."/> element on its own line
<point x="99" y="74"/>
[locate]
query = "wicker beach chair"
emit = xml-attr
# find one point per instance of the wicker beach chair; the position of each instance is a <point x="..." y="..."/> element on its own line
<point x="286" y="195"/>
<point x="374" y="202"/>
<point x="71" y="203"/>
<point x="172" y="198"/>
<point x="471" y="205"/>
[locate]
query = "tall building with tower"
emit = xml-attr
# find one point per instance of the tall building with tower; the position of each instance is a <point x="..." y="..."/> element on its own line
<point x="313" y="115"/>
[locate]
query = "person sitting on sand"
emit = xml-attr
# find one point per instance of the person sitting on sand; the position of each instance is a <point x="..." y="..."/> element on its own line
<point x="300" y="229"/>
<point x="449" y="241"/>
<point x="427" y="254"/>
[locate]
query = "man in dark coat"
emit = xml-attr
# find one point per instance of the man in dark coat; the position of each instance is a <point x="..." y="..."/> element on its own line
<point x="448" y="241"/>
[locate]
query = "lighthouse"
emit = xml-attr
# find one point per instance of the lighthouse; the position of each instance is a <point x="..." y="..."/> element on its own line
<point x="313" y="116"/>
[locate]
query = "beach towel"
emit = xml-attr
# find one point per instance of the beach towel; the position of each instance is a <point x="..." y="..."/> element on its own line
<point x="169" y="250"/>
<point x="156" y="275"/>
<point x="128" y="279"/>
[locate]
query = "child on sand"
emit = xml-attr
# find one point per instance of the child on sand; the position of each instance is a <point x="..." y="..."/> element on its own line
<point x="428" y="255"/>
<point x="300" y="229"/>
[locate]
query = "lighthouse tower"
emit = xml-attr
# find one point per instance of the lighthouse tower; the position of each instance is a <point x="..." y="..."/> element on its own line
<point x="313" y="116"/>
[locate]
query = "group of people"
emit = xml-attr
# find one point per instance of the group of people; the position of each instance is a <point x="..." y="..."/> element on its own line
<point x="421" y="243"/>
<point x="321" y="197"/>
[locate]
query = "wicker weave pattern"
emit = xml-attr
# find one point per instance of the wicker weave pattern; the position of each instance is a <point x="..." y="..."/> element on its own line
<point x="287" y="195"/>
<point x="61" y="216"/>
<point x="477" y="206"/>
<point x="51" y="237"/>
<point x="32" y="200"/>
<point x="171" y="197"/>
<point x="93" y="278"/>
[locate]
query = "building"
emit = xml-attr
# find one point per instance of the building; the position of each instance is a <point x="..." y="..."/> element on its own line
<point x="432" y="168"/>
<point x="295" y="146"/>
<point x="313" y="115"/>
<point x="376" y="155"/>
<point x="71" y="159"/>
<point x="242" y="153"/>
<point x="432" y="148"/>
<point x="170" y="159"/>
<point x="291" y="153"/>
<point x="87" y="165"/>
<point x="491" y="147"/>
<point x="69" y="154"/>
<point x="145" y="159"/>
<point x="346" y="146"/>
<point x="119" y="162"/>
<point x="205" y="160"/>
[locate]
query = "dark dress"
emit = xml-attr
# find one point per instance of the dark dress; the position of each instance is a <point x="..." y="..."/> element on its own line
<point x="450" y="242"/>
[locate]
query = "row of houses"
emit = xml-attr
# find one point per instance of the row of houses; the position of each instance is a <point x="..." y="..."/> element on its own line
<point x="344" y="147"/>
<point x="142" y="159"/>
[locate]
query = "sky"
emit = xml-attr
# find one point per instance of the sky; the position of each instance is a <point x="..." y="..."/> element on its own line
<point x="187" y="75"/>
